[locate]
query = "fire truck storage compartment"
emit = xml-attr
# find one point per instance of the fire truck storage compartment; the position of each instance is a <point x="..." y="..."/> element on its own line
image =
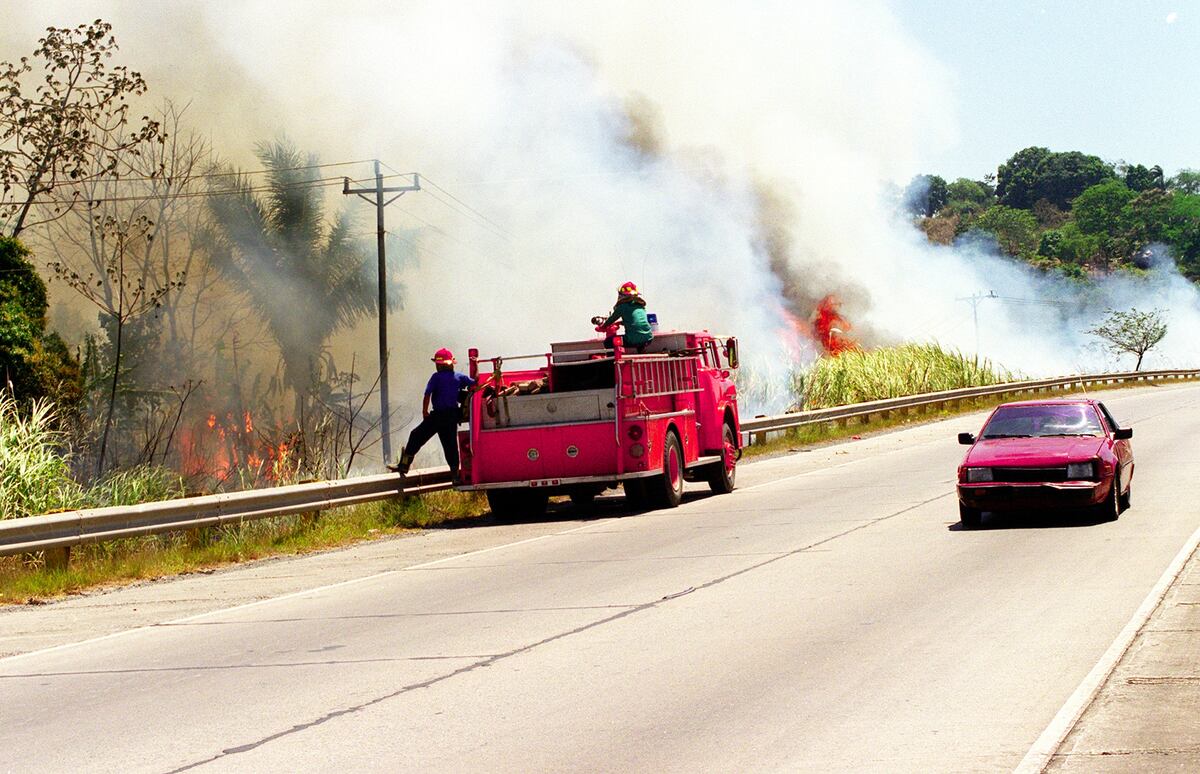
<point x="553" y="408"/>
<point x="530" y="453"/>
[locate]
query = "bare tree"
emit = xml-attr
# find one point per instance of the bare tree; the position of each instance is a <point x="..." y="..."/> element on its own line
<point x="120" y="294"/>
<point x="1131" y="332"/>
<point x="67" y="129"/>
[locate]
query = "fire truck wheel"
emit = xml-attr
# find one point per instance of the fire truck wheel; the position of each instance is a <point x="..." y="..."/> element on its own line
<point x="722" y="476"/>
<point x="666" y="489"/>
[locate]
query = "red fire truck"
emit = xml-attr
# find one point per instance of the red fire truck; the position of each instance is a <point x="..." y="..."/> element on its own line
<point x="582" y="418"/>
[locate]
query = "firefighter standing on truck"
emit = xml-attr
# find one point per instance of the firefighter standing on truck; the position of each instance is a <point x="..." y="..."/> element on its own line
<point x="631" y="310"/>
<point x="441" y="413"/>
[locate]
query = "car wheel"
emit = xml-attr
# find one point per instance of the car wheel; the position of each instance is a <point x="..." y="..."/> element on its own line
<point x="666" y="489"/>
<point x="970" y="517"/>
<point x="722" y="476"/>
<point x="1110" y="509"/>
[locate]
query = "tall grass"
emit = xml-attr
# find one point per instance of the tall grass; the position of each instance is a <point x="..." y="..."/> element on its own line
<point x="892" y="372"/>
<point x="142" y="484"/>
<point x="35" y="469"/>
<point x="35" y="476"/>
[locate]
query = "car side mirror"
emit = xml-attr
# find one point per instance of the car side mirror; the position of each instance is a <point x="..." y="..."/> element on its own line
<point x="731" y="352"/>
<point x="1123" y="434"/>
<point x="966" y="439"/>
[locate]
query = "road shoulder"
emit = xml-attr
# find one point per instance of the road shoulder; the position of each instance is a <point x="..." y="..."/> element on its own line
<point x="1146" y="716"/>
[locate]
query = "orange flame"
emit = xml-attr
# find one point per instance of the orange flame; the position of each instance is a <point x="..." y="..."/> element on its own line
<point x="831" y="329"/>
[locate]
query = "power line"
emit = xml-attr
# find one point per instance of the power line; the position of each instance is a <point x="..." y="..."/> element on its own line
<point x="323" y="182"/>
<point x="208" y="175"/>
<point x="502" y="231"/>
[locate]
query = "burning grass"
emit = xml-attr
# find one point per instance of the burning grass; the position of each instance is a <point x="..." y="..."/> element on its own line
<point x="127" y="561"/>
<point x="858" y="375"/>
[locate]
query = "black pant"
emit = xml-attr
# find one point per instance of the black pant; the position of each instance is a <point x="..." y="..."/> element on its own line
<point x="443" y="424"/>
<point x="609" y="344"/>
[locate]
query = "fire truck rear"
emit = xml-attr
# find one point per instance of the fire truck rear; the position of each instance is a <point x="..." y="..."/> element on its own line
<point x="582" y="418"/>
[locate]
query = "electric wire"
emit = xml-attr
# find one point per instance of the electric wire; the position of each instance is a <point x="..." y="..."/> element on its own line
<point x="469" y="210"/>
<point x="323" y="182"/>
<point x="208" y="175"/>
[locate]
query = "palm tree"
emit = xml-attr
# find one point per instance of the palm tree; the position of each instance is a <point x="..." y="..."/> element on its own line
<point x="307" y="277"/>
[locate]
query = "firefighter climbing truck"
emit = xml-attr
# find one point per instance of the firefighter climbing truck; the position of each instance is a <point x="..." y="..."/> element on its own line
<point x="584" y="418"/>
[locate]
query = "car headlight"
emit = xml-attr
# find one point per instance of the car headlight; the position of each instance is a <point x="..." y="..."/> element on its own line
<point x="1077" y="471"/>
<point x="977" y="475"/>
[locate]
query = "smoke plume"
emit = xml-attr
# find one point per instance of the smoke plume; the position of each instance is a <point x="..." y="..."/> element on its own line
<point x="733" y="161"/>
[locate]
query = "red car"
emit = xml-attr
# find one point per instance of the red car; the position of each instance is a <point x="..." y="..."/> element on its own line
<point x="1067" y="453"/>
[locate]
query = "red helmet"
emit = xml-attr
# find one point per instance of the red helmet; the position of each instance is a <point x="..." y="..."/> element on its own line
<point x="628" y="289"/>
<point x="443" y="357"/>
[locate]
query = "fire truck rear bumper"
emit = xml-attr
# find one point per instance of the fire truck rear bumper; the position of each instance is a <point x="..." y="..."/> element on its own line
<point x="547" y="483"/>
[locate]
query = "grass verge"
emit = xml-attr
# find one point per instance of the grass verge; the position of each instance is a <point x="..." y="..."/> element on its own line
<point x="127" y="561"/>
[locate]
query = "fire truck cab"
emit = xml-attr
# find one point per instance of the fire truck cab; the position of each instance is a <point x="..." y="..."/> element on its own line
<point x="582" y="418"/>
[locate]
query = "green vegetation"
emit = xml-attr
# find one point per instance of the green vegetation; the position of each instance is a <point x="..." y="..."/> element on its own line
<point x="126" y="561"/>
<point x="859" y="376"/>
<point x="1131" y="333"/>
<point x="35" y="362"/>
<point x="1068" y="212"/>
<point x="35" y="470"/>
<point x="34" y="475"/>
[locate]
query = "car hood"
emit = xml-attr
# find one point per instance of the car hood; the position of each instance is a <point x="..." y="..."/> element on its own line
<point x="1034" y="452"/>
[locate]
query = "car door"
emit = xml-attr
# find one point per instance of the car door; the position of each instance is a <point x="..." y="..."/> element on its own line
<point x="1122" y="448"/>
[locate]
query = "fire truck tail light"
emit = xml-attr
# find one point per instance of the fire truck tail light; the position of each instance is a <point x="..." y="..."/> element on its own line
<point x="636" y="450"/>
<point x="635" y="432"/>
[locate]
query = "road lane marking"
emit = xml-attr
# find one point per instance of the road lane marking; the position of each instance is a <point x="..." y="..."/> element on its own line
<point x="316" y="589"/>
<point x="1043" y="750"/>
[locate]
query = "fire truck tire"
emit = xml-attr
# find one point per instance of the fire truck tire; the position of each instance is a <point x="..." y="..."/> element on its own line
<point x="723" y="475"/>
<point x="666" y="489"/>
<point x="509" y="504"/>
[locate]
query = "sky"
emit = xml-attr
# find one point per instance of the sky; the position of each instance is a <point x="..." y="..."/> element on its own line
<point x="1116" y="79"/>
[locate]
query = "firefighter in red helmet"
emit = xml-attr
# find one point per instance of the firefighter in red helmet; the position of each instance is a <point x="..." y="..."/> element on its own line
<point x="440" y="413"/>
<point x="630" y="309"/>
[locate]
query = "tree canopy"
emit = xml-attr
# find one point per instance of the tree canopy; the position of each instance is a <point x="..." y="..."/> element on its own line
<point x="1039" y="173"/>
<point x="34" y="363"/>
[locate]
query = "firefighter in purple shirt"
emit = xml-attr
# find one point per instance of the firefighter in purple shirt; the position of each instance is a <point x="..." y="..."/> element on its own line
<point x="441" y="413"/>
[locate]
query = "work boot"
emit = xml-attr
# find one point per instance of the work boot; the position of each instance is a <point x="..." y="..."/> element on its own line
<point x="401" y="467"/>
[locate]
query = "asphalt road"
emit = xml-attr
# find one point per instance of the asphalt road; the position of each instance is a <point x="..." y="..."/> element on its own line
<point x="828" y="615"/>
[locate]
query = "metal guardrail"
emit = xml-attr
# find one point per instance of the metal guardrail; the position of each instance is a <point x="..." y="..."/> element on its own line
<point x="60" y="531"/>
<point x="758" y="427"/>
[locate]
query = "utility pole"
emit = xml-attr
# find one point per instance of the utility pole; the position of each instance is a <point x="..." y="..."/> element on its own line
<point x="974" y="301"/>
<point x="375" y="196"/>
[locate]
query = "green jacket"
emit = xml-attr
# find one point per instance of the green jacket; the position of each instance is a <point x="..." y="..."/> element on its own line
<point x="633" y="317"/>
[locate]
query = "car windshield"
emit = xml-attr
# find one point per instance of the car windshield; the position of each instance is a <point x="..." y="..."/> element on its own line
<point x="1043" y="421"/>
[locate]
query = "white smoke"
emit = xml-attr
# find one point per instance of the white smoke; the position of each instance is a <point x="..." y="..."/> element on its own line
<point x="520" y="113"/>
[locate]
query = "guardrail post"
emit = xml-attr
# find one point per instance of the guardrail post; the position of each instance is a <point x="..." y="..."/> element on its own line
<point x="52" y="558"/>
<point x="760" y="438"/>
<point x="58" y="558"/>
